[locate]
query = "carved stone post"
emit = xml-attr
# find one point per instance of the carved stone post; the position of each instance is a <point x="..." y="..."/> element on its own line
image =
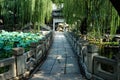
<point x="83" y="60"/>
<point x="92" y="51"/>
<point x="20" y="61"/>
<point x="78" y="48"/>
<point x="83" y="50"/>
<point x="43" y="43"/>
<point x="74" y="43"/>
<point x="51" y="38"/>
<point x="33" y="47"/>
<point x="118" y="62"/>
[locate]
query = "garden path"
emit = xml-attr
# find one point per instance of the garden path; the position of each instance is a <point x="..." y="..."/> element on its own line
<point x="61" y="62"/>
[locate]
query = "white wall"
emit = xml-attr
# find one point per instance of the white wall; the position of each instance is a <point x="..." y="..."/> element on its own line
<point x="56" y="20"/>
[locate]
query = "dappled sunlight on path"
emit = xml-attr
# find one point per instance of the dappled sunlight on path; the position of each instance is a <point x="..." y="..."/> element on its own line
<point x="61" y="63"/>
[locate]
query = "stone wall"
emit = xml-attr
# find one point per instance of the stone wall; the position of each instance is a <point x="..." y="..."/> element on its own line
<point x="90" y="61"/>
<point x="23" y="63"/>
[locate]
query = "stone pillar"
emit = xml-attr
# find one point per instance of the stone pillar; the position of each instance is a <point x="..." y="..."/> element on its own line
<point x="47" y="41"/>
<point x="83" y="59"/>
<point x="20" y="61"/>
<point x="75" y="45"/>
<point x="13" y="68"/>
<point x="51" y="38"/>
<point x="53" y="25"/>
<point x="69" y="38"/>
<point x="39" y="53"/>
<point x="44" y="46"/>
<point x="92" y="51"/>
<point x="72" y="41"/>
<point x="78" y="48"/>
<point x="41" y="41"/>
<point x="118" y="62"/>
<point x="83" y="49"/>
<point x="33" y="47"/>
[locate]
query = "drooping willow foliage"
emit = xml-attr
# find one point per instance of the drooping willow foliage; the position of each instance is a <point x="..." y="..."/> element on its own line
<point x="97" y="16"/>
<point x="58" y="2"/>
<point x="22" y="12"/>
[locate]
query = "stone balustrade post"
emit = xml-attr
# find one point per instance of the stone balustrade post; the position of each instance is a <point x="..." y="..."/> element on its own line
<point x="75" y="45"/>
<point x="20" y="61"/>
<point x="51" y="38"/>
<point x="83" y="60"/>
<point x="78" y="48"/>
<point x="33" y="46"/>
<point x="83" y="45"/>
<point x="43" y="43"/>
<point x="11" y="66"/>
<point x="45" y="47"/>
<point x="118" y="62"/>
<point x="47" y="41"/>
<point x="71" y="37"/>
<point x="92" y="51"/>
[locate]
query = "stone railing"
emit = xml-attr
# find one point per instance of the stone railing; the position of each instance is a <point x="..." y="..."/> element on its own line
<point x="88" y="55"/>
<point x="23" y="63"/>
<point x="12" y="68"/>
<point x="107" y="75"/>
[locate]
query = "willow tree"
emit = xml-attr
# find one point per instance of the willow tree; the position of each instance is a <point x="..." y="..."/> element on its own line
<point x="22" y="9"/>
<point x="74" y="10"/>
<point x="102" y="17"/>
<point x="15" y="12"/>
<point x="41" y="10"/>
<point x="48" y="10"/>
<point x="25" y="11"/>
<point x="98" y="16"/>
<point x="8" y="13"/>
<point x="58" y="3"/>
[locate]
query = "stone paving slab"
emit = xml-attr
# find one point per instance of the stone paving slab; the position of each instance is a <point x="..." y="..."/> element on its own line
<point x="45" y="77"/>
<point x="47" y="66"/>
<point x="72" y="70"/>
<point x="56" y="70"/>
<point x="71" y="76"/>
<point x="61" y="63"/>
<point x="58" y="76"/>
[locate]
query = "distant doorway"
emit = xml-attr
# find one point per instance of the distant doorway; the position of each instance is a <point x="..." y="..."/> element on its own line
<point x="56" y="21"/>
